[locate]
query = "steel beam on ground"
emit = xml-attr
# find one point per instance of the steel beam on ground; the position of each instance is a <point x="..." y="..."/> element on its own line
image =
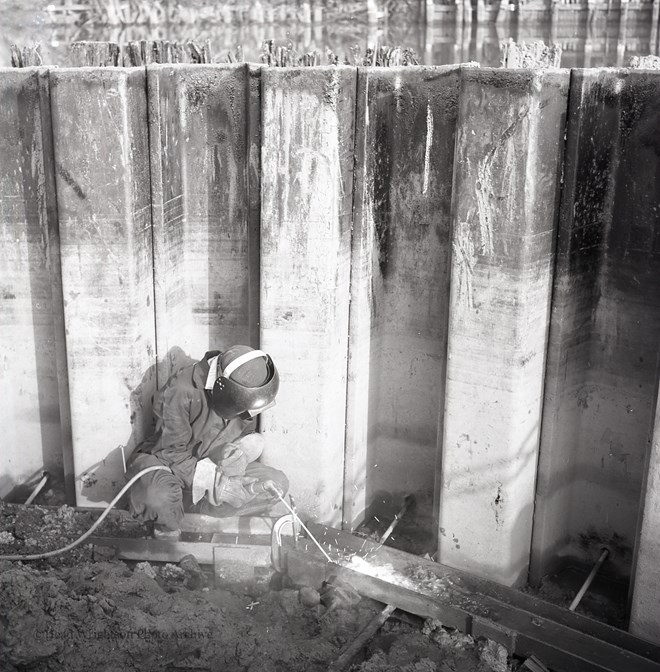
<point x="524" y="624"/>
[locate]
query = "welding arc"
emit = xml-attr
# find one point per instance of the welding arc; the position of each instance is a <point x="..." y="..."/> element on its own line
<point x="311" y="536"/>
<point x="77" y="542"/>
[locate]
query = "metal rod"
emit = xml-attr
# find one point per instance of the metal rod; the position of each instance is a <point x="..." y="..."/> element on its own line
<point x="311" y="536"/>
<point x="396" y="520"/>
<point x="347" y="655"/>
<point x="37" y="488"/>
<point x="296" y="529"/>
<point x="590" y="578"/>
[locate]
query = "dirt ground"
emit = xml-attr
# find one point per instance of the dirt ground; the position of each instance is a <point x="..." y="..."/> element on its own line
<point x="74" y="613"/>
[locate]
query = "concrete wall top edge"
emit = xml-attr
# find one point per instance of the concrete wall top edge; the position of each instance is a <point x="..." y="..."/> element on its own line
<point x="96" y="74"/>
<point x="23" y="71"/>
<point x="197" y="67"/>
<point x="409" y="68"/>
<point x="86" y="68"/>
<point x="515" y="78"/>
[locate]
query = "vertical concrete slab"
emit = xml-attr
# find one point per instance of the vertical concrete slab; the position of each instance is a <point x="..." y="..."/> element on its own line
<point x="645" y="607"/>
<point x="507" y="169"/>
<point x="406" y="122"/>
<point x="603" y="353"/>
<point x="29" y="310"/>
<point x="103" y="193"/>
<point x="307" y="174"/>
<point x="203" y="144"/>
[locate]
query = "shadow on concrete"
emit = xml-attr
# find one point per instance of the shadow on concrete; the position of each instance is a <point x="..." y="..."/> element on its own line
<point x="109" y="472"/>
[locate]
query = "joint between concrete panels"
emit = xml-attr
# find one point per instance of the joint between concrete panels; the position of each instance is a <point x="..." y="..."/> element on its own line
<point x="352" y="491"/>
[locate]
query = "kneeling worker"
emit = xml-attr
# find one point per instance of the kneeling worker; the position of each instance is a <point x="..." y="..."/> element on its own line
<point x="205" y="434"/>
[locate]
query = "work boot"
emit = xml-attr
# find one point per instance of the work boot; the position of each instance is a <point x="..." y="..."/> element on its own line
<point x="165" y="533"/>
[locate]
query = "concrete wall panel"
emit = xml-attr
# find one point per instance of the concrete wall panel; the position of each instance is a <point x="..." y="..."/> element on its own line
<point x="307" y="158"/>
<point x="400" y="282"/>
<point x="30" y="411"/>
<point x="506" y="185"/>
<point x="103" y="193"/>
<point x="645" y="611"/>
<point x="201" y="146"/>
<point x="604" y="347"/>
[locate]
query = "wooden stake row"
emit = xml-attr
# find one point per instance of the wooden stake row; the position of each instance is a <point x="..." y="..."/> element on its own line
<point x="146" y="52"/>
<point x="26" y="57"/>
<point x="137" y="53"/>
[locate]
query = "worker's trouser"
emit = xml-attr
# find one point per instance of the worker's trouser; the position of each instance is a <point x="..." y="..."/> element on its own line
<point x="159" y="497"/>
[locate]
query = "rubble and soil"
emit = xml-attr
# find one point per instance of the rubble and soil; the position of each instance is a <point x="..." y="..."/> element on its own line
<point x="73" y="613"/>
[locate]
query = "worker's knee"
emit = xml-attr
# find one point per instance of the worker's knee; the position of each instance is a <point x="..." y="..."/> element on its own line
<point x="157" y="496"/>
<point x="252" y="446"/>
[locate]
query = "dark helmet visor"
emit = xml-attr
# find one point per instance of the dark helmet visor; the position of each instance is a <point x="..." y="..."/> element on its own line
<point x="230" y="399"/>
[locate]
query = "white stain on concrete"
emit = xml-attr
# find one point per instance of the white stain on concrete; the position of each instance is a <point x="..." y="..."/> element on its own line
<point x="483" y="194"/>
<point x="429" y="144"/>
<point x="463" y="250"/>
<point x="397" y="92"/>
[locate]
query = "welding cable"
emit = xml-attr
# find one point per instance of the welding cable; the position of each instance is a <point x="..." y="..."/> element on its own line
<point x="73" y="544"/>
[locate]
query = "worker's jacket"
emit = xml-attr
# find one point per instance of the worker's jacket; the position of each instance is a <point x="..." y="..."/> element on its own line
<point x="186" y="426"/>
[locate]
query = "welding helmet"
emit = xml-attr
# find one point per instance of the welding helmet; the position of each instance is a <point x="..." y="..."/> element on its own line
<point x="246" y="384"/>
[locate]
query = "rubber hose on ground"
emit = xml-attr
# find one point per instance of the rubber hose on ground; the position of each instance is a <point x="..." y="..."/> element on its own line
<point x="73" y="544"/>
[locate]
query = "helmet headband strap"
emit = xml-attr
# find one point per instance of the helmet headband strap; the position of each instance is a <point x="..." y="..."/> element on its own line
<point x="243" y="359"/>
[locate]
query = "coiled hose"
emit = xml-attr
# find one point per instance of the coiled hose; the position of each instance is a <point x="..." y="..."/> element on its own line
<point x="73" y="544"/>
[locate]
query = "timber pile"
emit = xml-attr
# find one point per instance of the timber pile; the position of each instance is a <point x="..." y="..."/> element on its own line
<point x="645" y="62"/>
<point x="26" y="57"/>
<point x="380" y="56"/>
<point x="138" y="53"/>
<point x="530" y="55"/>
<point x="146" y="52"/>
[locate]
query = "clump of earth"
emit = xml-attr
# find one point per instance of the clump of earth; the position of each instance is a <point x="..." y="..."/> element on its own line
<point x="75" y="613"/>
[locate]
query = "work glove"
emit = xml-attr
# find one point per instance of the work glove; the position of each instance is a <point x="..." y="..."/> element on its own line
<point x="234" y="490"/>
<point x="270" y="487"/>
<point x="204" y="479"/>
<point x="233" y="460"/>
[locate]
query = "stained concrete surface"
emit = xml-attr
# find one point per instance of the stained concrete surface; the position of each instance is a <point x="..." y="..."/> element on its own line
<point x="99" y="118"/>
<point x="75" y="614"/>
<point x="203" y="226"/>
<point x="645" y="607"/>
<point x="509" y="146"/>
<point x="405" y="131"/>
<point x="30" y="307"/>
<point x="603" y="350"/>
<point x="306" y="215"/>
<point x="312" y="261"/>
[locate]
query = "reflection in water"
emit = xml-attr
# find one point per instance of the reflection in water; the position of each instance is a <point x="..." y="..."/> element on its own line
<point x="589" y="37"/>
